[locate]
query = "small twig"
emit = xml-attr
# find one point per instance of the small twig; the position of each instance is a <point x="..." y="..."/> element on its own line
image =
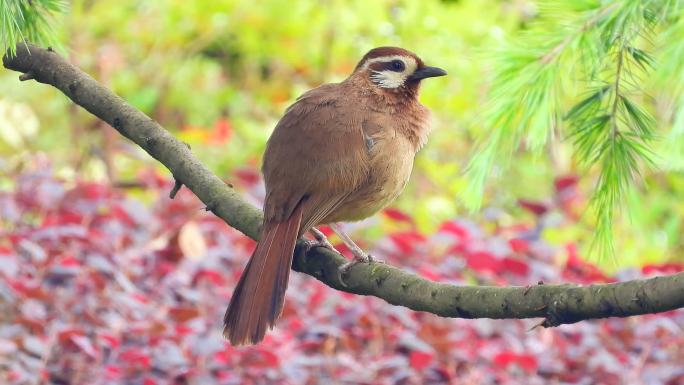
<point x="176" y="186"/>
<point x="537" y="325"/>
<point x="528" y="287"/>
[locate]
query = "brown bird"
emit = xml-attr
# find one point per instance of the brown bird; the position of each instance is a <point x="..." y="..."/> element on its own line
<point x="341" y="152"/>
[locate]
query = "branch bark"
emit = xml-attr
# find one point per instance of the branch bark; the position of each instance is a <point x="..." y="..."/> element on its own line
<point x="556" y="304"/>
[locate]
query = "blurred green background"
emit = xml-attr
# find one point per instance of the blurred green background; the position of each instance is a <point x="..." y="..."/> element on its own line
<point x="220" y="74"/>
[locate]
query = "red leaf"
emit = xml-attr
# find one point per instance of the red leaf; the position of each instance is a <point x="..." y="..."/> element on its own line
<point x="183" y="313"/>
<point x="536" y="208"/>
<point x="526" y="361"/>
<point x="121" y="214"/>
<point x="316" y="298"/>
<point x="295" y="324"/>
<point x="664" y="268"/>
<point x="62" y="218"/>
<point x="13" y="375"/>
<point x="270" y="359"/>
<point x="65" y="336"/>
<point x="571" y="249"/>
<point x="455" y="228"/>
<point x="576" y="268"/>
<point x="151" y="177"/>
<point x="326" y="230"/>
<point x="140" y="297"/>
<point x="85" y="345"/>
<point x="483" y="261"/>
<point x="110" y="340"/>
<point x="224" y="376"/>
<point x="420" y="360"/>
<point x="406" y="241"/>
<point x="221" y="133"/>
<point x="515" y="266"/>
<point x="247" y="176"/>
<point x="29" y="289"/>
<point x="428" y="273"/>
<point x="397" y="215"/>
<point x="69" y="261"/>
<point x="93" y="191"/>
<point x="135" y="357"/>
<point x="212" y="276"/>
<point x="112" y="371"/>
<point x="564" y="182"/>
<point x="183" y="330"/>
<point x="519" y="245"/>
<point x="223" y="356"/>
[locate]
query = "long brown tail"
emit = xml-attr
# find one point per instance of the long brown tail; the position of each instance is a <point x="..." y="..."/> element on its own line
<point x="259" y="295"/>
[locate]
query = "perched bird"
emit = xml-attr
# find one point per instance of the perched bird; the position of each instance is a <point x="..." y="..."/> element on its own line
<point x="341" y="152"/>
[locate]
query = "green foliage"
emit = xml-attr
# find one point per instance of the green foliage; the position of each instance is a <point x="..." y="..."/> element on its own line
<point x="604" y="48"/>
<point x="522" y="75"/>
<point x="28" y="20"/>
<point x="670" y="84"/>
<point x="191" y="64"/>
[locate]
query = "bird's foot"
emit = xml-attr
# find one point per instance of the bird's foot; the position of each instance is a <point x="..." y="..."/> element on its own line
<point x="310" y="244"/>
<point x="364" y="258"/>
<point x="359" y="257"/>
<point x="321" y="241"/>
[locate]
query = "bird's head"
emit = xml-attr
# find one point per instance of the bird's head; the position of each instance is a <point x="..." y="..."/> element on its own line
<point x="394" y="70"/>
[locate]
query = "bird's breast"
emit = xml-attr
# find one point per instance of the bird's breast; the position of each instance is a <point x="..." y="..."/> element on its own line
<point x="391" y="161"/>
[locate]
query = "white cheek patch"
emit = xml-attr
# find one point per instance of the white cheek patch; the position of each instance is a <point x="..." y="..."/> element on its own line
<point x="388" y="79"/>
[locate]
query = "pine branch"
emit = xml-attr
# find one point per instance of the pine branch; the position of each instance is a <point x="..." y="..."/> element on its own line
<point x="531" y="64"/>
<point x="590" y="23"/>
<point x="670" y="83"/>
<point x="22" y="21"/>
<point x="611" y="133"/>
<point x="613" y="113"/>
<point x="556" y="304"/>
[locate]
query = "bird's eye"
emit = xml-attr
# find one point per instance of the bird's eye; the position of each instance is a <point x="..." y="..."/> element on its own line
<point x="397" y="65"/>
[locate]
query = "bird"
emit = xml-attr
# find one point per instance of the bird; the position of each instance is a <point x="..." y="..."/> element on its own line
<point x="341" y="152"/>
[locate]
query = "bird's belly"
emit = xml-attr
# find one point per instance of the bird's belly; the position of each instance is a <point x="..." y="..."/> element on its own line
<point x="391" y="163"/>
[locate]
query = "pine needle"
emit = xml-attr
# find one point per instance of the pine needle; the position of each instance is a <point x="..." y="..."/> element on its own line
<point x="28" y="21"/>
<point x="603" y="48"/>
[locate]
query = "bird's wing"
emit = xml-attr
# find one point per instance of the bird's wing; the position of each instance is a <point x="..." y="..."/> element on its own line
<point x="316" y="153"/>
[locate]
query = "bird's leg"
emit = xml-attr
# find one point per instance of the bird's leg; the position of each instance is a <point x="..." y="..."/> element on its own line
<point x="357" y="252"/>
<point x="321" y="240"/>
<point x="360" y="256"/>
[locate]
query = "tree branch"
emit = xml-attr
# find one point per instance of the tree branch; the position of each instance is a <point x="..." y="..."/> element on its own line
<point x="557" y="304"/>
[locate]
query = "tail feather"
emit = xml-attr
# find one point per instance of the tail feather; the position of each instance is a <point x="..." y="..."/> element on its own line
<point x="257" y="301"/>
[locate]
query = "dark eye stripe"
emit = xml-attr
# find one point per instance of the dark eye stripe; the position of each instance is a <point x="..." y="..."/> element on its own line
<point x="396" y="66"/>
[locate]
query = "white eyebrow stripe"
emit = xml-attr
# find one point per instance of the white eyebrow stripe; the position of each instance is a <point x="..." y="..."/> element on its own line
<point x="408" y="60"/>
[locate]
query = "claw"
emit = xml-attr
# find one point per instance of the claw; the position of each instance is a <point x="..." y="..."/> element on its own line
<point x="358" y="258"/>
<point x="321" y="241"/>
<point x="310" y="244"/>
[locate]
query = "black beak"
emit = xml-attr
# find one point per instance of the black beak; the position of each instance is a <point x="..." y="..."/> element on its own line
<point x="427" y="72"/>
